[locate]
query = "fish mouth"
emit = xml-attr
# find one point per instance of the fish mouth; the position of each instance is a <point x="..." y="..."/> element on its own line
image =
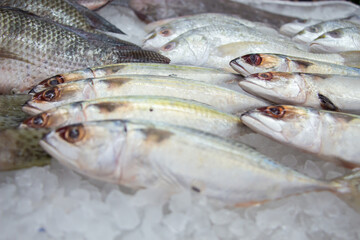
<point x="30" y="109"/>
<point x="258" y="90"/>
<point x="235" y="63"/>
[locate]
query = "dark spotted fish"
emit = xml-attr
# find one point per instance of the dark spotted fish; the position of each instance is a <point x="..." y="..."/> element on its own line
<point x="11" y="114"/>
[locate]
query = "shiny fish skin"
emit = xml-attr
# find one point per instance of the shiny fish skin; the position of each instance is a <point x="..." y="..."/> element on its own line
<point x="57" y="50"/>
<point x="208" y="75"/>
<point x="223" y="99"/>
<point x="180" y="158"/>
<point x="66" y="12"/>
<point x="292" y="28"/>
<point x="267" y="62"/>
<point x="164" y="109"/>
<point x="330" y="92"/>
<point x="314" y="131"/>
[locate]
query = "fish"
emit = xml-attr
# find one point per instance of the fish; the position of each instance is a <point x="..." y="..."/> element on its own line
<point x="267" y="62"/>
<point x="11" y="114"/>
<point x="153" y="10"/>
<point x="338" y="40"/>
<point x="208" y="75"/>
<point x="179" y="158"/>
<point x="24" y="64"/>
<point x="20" y="148"/>
<point x="152" y="108"/>
<point x="321" y="91"/>
<point x="312" y="32"/>
<point x="93" y="4"/>
<point x="329" y="135"/>
<point x="164" y="33"/>
<point x="215" y="46"/>
<point x="292" y="28"/>
<point x="221" y="98"/>
<point x="66" y="12"/>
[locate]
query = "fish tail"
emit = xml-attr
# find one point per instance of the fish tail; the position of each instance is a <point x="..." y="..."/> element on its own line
<point x="351" y="58"/>
<point x="349" y="191"/>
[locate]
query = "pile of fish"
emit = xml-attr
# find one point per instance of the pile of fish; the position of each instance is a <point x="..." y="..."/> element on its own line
<point x="139" y="122"/>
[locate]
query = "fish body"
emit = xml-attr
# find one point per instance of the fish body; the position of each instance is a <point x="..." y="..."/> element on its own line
<point x="292" y="28"/>
<point x="223" y="99"/>
<point x="24" y="63"/>
<point x="330" y="92"/>
<point x="92" y="4"/>
<point x="266" y="62"/>
<point x="330" y="135"/>
<point x="66" y="12"/>
<point x="312" y="32"/>
<point x="162" y="109"/>
<point x="338" y="40"/>
<point x="143" y="154"/>
<point x="208" y="75"/>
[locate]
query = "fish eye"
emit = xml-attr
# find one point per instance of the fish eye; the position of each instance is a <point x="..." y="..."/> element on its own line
<point x="169" y="46"/>
<point x="72" y="134"/>
<point x="38" y="121"/>
<point x="274" y="111"/>
<point x="265" y="76"/>
<point x="165" y="32"/>
<point x="252" y="59"/>
<point x="50" y="94"/>
<point x="313" y="29"/>
<point x="335" y="34"/>
<point x="58" y="79"/>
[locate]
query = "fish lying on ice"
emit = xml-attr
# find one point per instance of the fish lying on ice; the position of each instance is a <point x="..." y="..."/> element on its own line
<point x="330" y="135"/>
<point x="182" y="158"/>
<point x="223" y="99"/>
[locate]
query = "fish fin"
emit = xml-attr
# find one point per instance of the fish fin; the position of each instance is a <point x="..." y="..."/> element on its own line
<point x="6" y="54"/>
<point x="237" y="48"/>
<point x="351" y="58"/>
<point x="351" y="195"/>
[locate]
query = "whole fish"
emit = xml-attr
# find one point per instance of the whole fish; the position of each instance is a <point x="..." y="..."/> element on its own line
<point x="312" y="32"/>
<point x="223" y="99"/>
<point x="216" y="45"/>
<point x="165" y="109"/>
<point x="208" y="75"/>
<point x="183" y="159"/>
<point x="329" y="92"/>
<point x="20" y="148"/>
<point x="153" y="10"/>
<point x="164" y="33"/>
<point x="66" y="12"/>
<point x="92" y="4"/>
<point x="24" y="63"/>
<point x="292" y="28"/>
<point x="338" y="40"/>
<point x="331" y="135"/>
<point x="267" y="62"/>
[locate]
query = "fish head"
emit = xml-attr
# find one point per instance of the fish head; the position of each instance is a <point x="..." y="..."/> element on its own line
<point x="292" y="28"/>
<point x="48" y="83"/>
<point x="278" y="87"/>
<point x="288" y="124"/>
<point x="308" y="34"/>
<point x="159" y="37"/>
<point x="89" y="148"/>
<point x="257" y="63"/>
<point x="333" y="41"/>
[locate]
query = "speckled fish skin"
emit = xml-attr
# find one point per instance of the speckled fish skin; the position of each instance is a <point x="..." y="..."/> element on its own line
<point x="151" y="108"/>
<point x="66" y="12"/>
<point x="312" y="32"/>
<point x="223" y="99"/>
<point x="266" y="62"/>
<point x="92" y="4"/>
<point x="338" y="40"/>
<point x="329" y="92"/>
<point x="331" y="135"/>
<point x="19" y="148"/>
<point x="180" y="158"/>
<point x="292" y="28"/>
<point x="11" y="114"/>
<point x="23" y="64"/>
<point x="164" y="33"/>
<point x="208" y="75"/>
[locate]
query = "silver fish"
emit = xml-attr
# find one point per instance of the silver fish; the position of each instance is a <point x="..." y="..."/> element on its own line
<point x="292" y="28"/>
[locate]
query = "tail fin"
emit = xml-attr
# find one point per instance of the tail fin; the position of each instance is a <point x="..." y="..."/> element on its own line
<point x="351" y="193"/>
<point x="351" y="58"/>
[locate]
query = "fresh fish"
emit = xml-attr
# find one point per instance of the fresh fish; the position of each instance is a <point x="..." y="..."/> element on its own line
<point x="20" y="148"/>
<point x="153" y="10"/>
<point x="164" y="33"/>
<point x="11" y="114"/>
<point x="92" y="4"/>
<point x="208" y="75"/>
<point x="223" y="99"/>
<point x="292" y="28"/>
<point x="66" y="12"/>
<point x="331" y="135"/>
<point x="183" y="159"/>
<point x="312" y="32"/>
<point x="24" y="64"/>
<point x="338" y="40"/>
<point x="215" y="46"/>
<point x="267" y="62"/>
<point x="330" y="92"/>
<point x="165" y="109"/>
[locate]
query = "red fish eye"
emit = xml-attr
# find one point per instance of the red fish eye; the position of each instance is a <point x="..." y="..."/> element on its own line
<point x="37" y="121"/>
<point x="72" y="134"/>
<point x="47" y="95"/>
<point x="273" y="111"/>
<point x="169" y="46"/>
<point x="165" y="32"/>
<point x="265" y="76"/>
<point x="58" y="79"/>
<point x="252" y="59"/>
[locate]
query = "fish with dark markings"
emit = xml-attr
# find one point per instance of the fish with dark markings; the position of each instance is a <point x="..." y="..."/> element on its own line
<point x="11" y="114"/>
